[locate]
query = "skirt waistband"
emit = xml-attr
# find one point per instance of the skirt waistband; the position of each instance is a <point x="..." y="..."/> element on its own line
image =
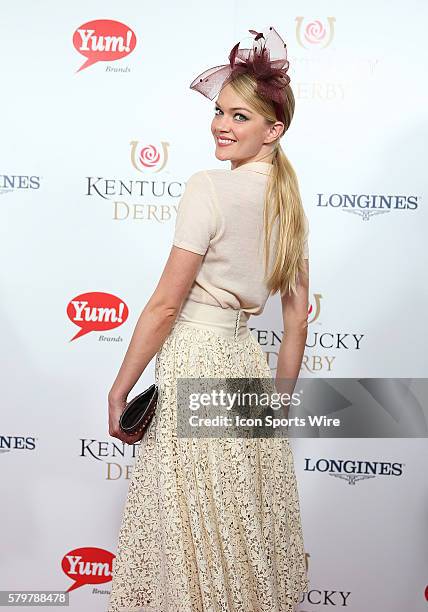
<point x="229" y="322"/>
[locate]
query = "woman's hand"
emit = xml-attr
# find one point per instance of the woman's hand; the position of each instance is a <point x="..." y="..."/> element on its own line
<point x="115" y="408"/>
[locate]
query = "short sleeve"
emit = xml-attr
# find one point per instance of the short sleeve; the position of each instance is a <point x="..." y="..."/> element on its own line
<point x="306" y="243"/>
<point x="196" y="224"/>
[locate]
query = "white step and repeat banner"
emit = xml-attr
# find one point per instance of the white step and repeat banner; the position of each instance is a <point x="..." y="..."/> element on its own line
<point x="98" y="138"/>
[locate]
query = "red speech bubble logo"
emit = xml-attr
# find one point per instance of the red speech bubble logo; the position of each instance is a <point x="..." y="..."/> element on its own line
<point x="96" y="311"/>
<point x="87" y="565"/>
<point x="103" y="40"/>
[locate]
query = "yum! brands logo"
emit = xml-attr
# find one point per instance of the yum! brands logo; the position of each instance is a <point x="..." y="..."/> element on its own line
<point x="96" y="311"/>
<point x="87" y="565"/>
<point x="103" y="40"/>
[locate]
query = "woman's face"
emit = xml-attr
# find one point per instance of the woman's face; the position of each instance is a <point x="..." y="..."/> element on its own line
<point x="251" y="136"/>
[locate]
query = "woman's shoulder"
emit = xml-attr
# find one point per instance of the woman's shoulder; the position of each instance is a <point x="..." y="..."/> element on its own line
<point x="219" y="176"/>
<point x="213" y="177"/>
<point x="228" y="173"/>
<point x="218" y="179"/>
<point x="211" y="172"/>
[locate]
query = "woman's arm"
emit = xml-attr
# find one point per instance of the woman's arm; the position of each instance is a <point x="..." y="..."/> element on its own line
<point x="295" y="322"/>
<point x="153" y="326"/>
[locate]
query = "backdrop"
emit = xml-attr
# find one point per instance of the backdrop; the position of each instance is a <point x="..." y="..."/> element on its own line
<point x="99" y="133"/>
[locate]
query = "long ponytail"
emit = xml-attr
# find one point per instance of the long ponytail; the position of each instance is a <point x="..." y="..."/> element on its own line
<point x="284" y="215"/>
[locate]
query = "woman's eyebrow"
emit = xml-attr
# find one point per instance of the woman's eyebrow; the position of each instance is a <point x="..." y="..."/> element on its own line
<point x="236" y="108"/>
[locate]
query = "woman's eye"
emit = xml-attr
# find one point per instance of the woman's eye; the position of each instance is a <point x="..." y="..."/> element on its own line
<point x="218" y="109"/>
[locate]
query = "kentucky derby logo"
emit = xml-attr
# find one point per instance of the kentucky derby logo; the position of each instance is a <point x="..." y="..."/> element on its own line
<point x="314" y="33"/>
<point x="148" y="156"/>
<point x="314" y="308"/>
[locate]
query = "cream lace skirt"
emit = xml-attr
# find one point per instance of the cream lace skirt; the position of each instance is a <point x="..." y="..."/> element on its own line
<point x="210" y="524"/>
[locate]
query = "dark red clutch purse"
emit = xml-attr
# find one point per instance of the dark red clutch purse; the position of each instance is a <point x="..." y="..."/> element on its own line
<point x="139" y="411"/>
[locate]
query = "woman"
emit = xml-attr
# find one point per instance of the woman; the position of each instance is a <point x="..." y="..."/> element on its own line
<point x="213" y="524"/>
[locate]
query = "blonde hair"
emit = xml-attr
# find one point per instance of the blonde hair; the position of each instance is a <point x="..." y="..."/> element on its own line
<point x="282" y="199"/>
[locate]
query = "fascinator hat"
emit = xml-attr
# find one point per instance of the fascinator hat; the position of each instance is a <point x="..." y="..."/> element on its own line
<point x="266" y="61"/>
